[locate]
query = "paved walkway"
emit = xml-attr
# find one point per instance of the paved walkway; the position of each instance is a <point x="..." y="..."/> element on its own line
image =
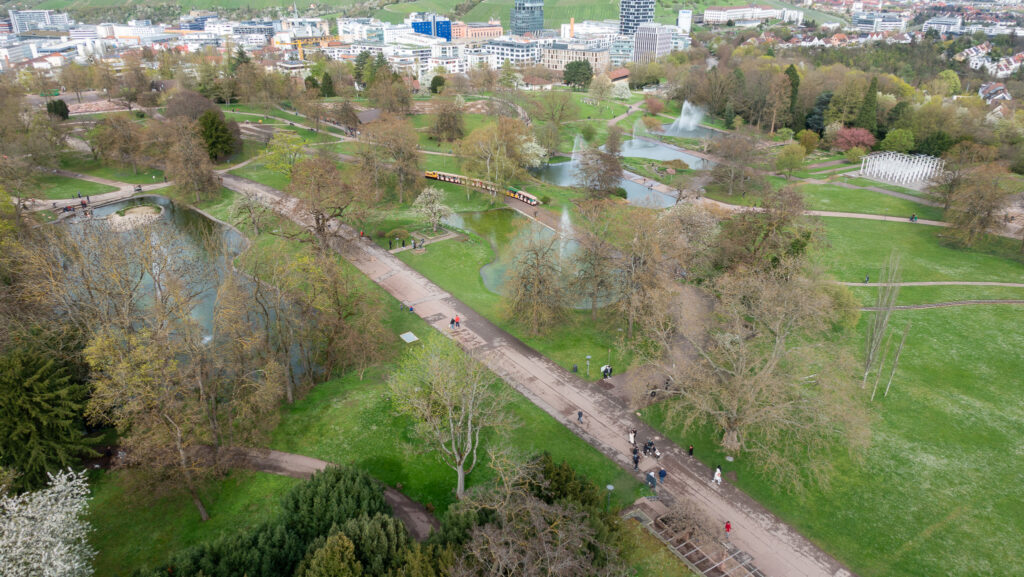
<point x="778" y="550"/>
<point x="951" y="304"/>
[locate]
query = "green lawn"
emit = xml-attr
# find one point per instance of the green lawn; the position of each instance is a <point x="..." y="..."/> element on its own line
<point x="858" y="247"/>
<point x="134" y="530"/>
<point x="85" y="164"/>
<point x="912" y="295"/>
<point x="646" y="555"/>
<point x="260" y="173"/>
<point x="838" y="199"/>
<point x="348" y="420"/>
<point x="938" y="492"/>
<point x="56" y="187"/>
<point x="455" y="266"/>
<point x="868" y="182"/>
<point x="250" y="149"/>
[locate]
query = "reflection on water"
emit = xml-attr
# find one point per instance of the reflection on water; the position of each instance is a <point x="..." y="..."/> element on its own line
<point x="209" y="243"/>
<point x="657" y="151"/>
<point x="564" y="174"/>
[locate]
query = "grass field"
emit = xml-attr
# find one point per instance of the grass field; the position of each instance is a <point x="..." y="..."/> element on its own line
<point x="858" y="247"/>
<point x="938" y="490"/>
<point x="85" y="164"/>
<point x="56" y="187"/>
<point x="943" y="468"/>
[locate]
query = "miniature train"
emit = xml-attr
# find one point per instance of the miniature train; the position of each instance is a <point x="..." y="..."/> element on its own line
<point x="510" y="191"/>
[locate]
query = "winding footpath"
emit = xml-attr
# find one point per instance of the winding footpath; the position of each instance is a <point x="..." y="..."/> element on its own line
<point x="776" y="548"/>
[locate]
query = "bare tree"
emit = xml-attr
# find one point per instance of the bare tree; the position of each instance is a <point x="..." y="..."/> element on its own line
<point x="453" y="399"/>
<point x="323" y="194"/>
<point x="885" y="303"/>
<point x="764" y="375"/>
<point x="977" y="208"/>
<point x="535" y="289"/>
<point x="738" y="155"/>
<point x="594" y="260"/>
<point x="448" y="123"/>
<point x="188" y="161"/>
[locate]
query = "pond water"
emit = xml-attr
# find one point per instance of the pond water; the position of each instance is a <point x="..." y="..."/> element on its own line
<point x="198" y="232"/>
<point x="564" y="174"/>
<point x="640" y="148"/>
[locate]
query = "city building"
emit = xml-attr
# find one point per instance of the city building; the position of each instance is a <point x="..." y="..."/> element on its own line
<point x="527" y="17"/>
<point x="879" y="22"/>
<point x="25" y="20"/>
<point x="557" y="55"/>
<point x="590" y="29"/>
<point x="753" y="13"/>
<point x="944" y="24"/>
<point x="684" y="21"/>
<point x="651" y="41"/>
<point x="477" y="30"/>
<point x="513" y="50"/>
<point x="633" y="13"/>
<point x="430" y="24"/>
<point x="621" y="50"/>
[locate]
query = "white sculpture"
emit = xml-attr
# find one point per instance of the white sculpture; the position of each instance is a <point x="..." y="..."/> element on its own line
<point x="899" y="168"/>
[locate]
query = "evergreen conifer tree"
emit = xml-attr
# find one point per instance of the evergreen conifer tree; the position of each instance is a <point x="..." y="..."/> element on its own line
<point x="867" y="116"/>
<point x="220" y="142"/>
<point x="327" y="86"/>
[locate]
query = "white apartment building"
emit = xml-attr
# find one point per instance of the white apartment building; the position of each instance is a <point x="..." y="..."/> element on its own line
<point x="684" y="21"/>
<point x="879" y="22"/>
<point x="513" y="50"/>
<point x="723" y="14"/>
<point x="25" y="20"/>
<point x="604" y="29"/>
<point x="652" y="41"/>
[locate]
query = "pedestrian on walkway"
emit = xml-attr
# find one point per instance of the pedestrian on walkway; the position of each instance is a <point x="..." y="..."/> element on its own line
<point x="728" y="529"/>
<point x="403" y="243"/>
<point x="718" y="476"/>
<point x="636" y="462"/>
<point x="451" y="324"/>
<point x="661" y="475"/>
<point x="690" y="451"/>
<point x="651" y="480"/>
<point x="389" y="244"/>
<point x="79" y="194"/>
<point x="632" y="438"/>
<point x="867" y="278"/>
<point x="457" y="322"/>
<point x="87" y="199"/>
<point x="579" y="417"/>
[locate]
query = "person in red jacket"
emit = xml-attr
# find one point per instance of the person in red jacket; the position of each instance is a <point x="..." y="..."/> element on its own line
<point x="728" y="529"/>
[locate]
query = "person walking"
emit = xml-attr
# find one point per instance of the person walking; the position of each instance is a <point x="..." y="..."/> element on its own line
<point x="632" y="437"/>
<point x="636" y="462"/>
<point x="389" y="244"/>
<point x="718" y="476"/>
<point x="651" y="480"/>
<point x="451" y="324"/>
<point x="661" y="476"/>
<point x="458" y="324"/>
<point x="579" y="414"/>
<point x="690" y="451"/>
<point x="728" y="529"/>
<point x="867" y="278"/>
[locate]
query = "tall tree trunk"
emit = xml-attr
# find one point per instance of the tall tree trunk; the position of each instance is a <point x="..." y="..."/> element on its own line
<point x="189" y="481"/>
<point x="460" y="487"/>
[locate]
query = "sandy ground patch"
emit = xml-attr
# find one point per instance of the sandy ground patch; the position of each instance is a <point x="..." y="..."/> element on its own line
<point x="133" y="218"/>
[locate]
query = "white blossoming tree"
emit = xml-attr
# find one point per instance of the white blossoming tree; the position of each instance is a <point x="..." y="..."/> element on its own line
<point x="43" y="534"/>
<point x="430" y="205"/>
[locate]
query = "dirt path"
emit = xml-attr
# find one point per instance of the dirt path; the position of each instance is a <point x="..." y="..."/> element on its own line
<point x="937" y="283"/>
<point x="417" y="519"/>
<point x="951" y="304"/>
<point x="777" y="548"/>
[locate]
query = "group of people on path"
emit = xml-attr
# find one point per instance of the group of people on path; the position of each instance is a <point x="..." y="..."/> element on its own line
<point x="456" y="323"/>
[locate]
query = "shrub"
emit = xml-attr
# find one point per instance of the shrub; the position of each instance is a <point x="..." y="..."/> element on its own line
<point x="854" y="155"/>
<point x="677" y="164"/>
<point x="587" y="131"/>
<point x="544" y="199"/>
<point x="785" y="133"/>
<point x="331" y="498"/>
<point x="399" y="233"/>
<point x="620" y="192"/>
<point x="847" y="138"/>
<point x="808" y="139"/>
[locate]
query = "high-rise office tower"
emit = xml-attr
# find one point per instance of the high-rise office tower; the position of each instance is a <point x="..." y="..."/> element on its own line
<point x="633" y="13"/>
<point x="527" y="16"/>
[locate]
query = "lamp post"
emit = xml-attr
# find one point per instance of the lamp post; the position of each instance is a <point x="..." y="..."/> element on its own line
<point x="588" y="366"/>
<point x="608" y="496"/>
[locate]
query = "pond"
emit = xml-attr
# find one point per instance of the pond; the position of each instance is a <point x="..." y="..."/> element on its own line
<point x="564" y="174"/>
<point x="198" y="232"/>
